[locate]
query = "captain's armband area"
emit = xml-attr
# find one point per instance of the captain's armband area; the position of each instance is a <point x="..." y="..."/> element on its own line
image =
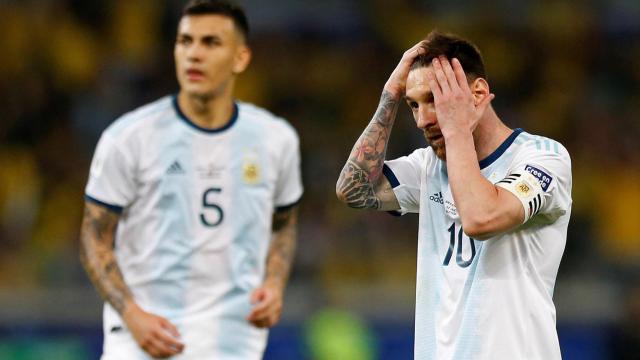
<point x="528" y="189"/>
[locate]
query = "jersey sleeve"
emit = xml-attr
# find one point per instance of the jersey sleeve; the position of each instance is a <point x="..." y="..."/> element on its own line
<point x="404" y="174"/>
<point x="289" y="184"/>
<point x="111" y="176"/>
<point x="541" y="180"/>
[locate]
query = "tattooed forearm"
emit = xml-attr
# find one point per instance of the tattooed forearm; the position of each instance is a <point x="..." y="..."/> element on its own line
<point x="97" y="257"/>
<point x="355" y="188"/>
<point x="282" y="248"/>
<point x="356" y="184"/>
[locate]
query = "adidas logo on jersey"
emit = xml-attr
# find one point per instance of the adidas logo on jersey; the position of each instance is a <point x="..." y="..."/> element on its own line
<point x="175" y="168"/>
<point x="437" y="197"/>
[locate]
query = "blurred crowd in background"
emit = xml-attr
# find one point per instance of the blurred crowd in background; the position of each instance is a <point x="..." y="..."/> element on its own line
<point x="563" y="69"/>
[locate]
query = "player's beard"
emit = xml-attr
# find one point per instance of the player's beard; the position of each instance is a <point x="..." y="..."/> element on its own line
<point x="440" y="150"/>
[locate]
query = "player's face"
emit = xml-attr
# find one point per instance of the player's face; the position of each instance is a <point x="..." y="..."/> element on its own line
<point x="209" y="53"/>
<point x="420" y="99"/>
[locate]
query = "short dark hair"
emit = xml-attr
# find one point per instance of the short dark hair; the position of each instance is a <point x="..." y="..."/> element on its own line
<point x="219" y="7"/>
<point x="452" y="46"/>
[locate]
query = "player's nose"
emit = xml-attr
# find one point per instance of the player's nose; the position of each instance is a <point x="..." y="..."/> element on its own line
<point x="194" y="53"/>
<point x="425" y="117"/>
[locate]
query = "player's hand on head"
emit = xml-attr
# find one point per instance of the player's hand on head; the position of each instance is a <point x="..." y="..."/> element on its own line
<point x="154" y="334"/>
<point x="267" y="306"/>
<point x="454" y="101"/>
<point x="397" y="82"/>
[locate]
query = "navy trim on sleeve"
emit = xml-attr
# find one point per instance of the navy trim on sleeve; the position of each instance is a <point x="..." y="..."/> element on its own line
<point x="388" y="173"/>
<point x="289" y="206"/>
<point x="115" y="208"/>
<point x="188" y="121"/>
<point x="393" y="180"/>
<point x="500" y="150"/>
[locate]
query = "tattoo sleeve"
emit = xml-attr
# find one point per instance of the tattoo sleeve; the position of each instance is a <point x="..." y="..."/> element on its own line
<point x="282" y="248"/>
<point x="96" y="254"/>
<point x="357" y="182"/>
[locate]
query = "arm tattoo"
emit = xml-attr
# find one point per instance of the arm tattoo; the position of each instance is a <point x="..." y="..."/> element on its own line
<point x="282" y="248"/>
<point x="364" y="166"/>
<point x="97" y="257"/>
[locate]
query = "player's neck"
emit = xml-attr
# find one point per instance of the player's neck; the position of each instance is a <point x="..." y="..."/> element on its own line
<point x="490" y="133"/>
<point x="209" y="112"/>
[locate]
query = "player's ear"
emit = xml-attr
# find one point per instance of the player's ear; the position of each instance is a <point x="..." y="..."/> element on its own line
<point x="479" y="89"/>
<point x="242" y="59"/>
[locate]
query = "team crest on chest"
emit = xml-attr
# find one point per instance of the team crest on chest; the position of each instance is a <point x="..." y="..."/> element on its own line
<point x="251" y="171"/>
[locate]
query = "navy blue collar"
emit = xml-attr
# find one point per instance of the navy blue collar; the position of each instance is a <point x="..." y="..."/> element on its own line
<point x="500" y="150"/>
<point x="184" y="118"/>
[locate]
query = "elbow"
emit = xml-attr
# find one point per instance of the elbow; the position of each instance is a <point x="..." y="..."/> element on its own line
<point x="478" y="228"/>
<point x="351" y="201"/>
<point x="343" y="198"/>
<point x="83" y="254"/>
<point x="341" y="192"/>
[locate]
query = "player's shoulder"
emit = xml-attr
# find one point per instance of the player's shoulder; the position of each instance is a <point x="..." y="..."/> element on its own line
<point x="146" y="115"/>
<point x="532" y="145"/>
<point x="262" y="117"/>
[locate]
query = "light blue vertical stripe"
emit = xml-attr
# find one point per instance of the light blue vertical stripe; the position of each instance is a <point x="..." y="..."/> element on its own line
<point x="247" y="220"/>
<point x="468" y="345"/>
<point x="171" y="259"/>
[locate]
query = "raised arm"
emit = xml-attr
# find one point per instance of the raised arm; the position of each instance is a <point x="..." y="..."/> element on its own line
<point x="268" y="298"/>
<point x="156" y="335"/>
<point x="361" y="184"/>
<point x="485" y="209"/>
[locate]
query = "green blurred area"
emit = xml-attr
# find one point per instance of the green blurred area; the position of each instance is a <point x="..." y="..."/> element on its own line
<point x="62" y="349"/>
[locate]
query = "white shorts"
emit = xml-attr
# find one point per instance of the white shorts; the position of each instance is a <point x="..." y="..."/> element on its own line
<point x="223" y="339"/>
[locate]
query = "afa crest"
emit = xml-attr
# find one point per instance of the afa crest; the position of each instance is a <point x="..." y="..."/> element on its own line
<point x="251" y="171"/>
<point x="523" y="188"/>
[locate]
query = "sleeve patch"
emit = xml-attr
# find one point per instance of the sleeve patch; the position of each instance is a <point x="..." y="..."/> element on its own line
<point x="543" y="178"/>
<point x="527" y="189"/>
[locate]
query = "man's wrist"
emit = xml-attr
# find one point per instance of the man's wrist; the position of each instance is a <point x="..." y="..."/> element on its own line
<point x="277" y="284"/>
<point x="455" y="133"/>
<point x="129" y="308"/>
<point x="394" y="91"/>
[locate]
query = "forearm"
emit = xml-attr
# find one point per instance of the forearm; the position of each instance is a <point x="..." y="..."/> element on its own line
<point x="281" y="249"/>
<point x="98" y="258"/>
<point x="356" y="184"/>
<point x="475" y="197"/>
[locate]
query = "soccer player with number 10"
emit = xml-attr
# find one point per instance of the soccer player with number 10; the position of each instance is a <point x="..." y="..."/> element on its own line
<point x="493" y="203"/>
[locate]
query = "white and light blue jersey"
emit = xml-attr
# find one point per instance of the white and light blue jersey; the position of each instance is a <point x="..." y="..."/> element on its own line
<point x="488" y="299"/>
<point x="196" y="210"/>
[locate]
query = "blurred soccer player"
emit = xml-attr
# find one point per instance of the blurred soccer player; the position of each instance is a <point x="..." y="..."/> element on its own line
<point x="494" y="205"/>
<point x="189" y="223"/>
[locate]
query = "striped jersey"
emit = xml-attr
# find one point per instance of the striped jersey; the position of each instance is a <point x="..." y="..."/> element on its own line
<point x="196" y="210"/>
<point x="488" y="299"/>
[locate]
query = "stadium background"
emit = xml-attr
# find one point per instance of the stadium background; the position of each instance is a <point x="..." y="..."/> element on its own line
<point x="568" y="70"/>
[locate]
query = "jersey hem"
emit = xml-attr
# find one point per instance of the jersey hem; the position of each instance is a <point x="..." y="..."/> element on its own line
<point x="114" y="208"/>
<point x="286" y="207"/>
<point x="393" y="180"/>
<point x="388" y="173"/>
